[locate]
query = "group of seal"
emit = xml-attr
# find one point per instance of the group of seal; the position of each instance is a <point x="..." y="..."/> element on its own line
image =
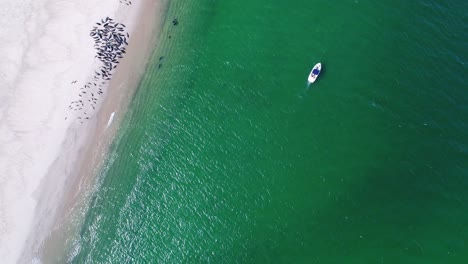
<point x="127" y="2"/>
<point x="110" y="41"/>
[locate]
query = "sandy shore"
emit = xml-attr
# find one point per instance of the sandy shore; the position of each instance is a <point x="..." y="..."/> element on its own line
<point x="47" y="155"/>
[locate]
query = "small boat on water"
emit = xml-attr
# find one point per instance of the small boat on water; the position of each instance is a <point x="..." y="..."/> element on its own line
<point x="314" y="73"/>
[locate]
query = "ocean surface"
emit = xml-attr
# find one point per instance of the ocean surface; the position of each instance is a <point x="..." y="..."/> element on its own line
<point x="227" y="156"/>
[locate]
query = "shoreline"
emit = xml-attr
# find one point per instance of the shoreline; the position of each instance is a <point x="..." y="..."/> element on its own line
<point x="144" y="32"/>
<point x="70" y="156"/>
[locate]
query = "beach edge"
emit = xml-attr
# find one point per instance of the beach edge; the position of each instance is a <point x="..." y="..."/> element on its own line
<point x="86" y="145"/>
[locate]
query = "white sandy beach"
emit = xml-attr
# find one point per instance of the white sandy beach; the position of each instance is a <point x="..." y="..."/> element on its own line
<point x="45" y="149"/>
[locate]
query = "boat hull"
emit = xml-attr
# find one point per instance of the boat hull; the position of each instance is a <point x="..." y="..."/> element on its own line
<point x="312" y="77"/>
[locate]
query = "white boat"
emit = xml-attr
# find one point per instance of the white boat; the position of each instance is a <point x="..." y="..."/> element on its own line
<point x="314" y="73"/>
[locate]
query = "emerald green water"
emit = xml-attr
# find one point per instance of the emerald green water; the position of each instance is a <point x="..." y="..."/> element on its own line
<point x="226" y="156"/>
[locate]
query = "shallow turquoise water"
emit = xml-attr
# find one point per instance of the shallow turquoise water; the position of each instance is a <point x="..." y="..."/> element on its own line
<point x="227" y="156"/>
